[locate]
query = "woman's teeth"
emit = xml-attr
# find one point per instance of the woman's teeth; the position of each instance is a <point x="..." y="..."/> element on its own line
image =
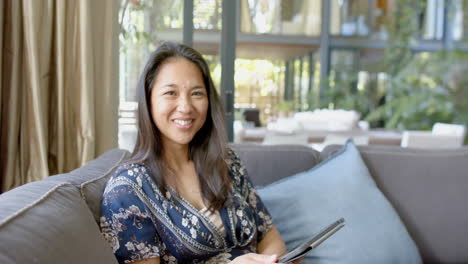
<point x="183" y="122"/>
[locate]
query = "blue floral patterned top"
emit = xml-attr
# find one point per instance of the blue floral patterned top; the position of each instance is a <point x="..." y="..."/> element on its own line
<point x="139" y="222"/>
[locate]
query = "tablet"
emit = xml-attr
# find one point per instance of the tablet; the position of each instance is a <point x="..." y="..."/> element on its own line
<point x="302" y="249"/>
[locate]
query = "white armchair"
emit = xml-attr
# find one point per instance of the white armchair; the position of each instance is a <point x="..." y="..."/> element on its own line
<point x="441" y="136"/>
<point x="273" y="138"/>
<point x="328" y="120"/>
<point x="450" y="130"/>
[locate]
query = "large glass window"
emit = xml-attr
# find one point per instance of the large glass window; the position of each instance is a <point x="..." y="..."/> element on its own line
<point x="370" y="18"/>
<point x="257" y="88"/>
<point x="356" y="18"/>
<point x="432" y="19"/>
<point x="356" y="80"/>
<point x="207" y="14"/>
<point x="460" y="20"/>
<point x="143" y="24"/>
<point x="207" y="38"/>
<point x="271" y="77"/>
<point x="285" y="17"/>
<point x="301" y="81"/>
<point x="273" y="82"/>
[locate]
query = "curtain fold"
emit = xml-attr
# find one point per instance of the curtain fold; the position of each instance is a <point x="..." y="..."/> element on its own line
<point x="11" y="89"/>
<point x="59" y="90"/>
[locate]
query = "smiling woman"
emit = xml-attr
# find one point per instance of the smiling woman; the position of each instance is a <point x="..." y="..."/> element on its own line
<point x="179" y="102"/>
<point x="183" y="196"/>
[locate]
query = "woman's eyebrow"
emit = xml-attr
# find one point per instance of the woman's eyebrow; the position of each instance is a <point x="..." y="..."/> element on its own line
<point x="173" y="85"/>
<point x="197" y="87"/>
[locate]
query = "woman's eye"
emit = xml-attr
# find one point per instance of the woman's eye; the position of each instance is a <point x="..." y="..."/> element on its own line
<point x="198" y="93"/>
<point x="170" y="93"/>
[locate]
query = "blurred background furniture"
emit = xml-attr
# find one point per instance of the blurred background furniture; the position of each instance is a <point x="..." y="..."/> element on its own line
<point x="318" y="128"/>
<point x="373" y="137"/>
<point x="319" y="119"/>
<point x="281" y="139"/>
<point x="252" y="115"/>
<point x="341" y="139"/>
<point x="450" y="130"/>
<point x="326" y="119"/>
<point x="442" y="136"/>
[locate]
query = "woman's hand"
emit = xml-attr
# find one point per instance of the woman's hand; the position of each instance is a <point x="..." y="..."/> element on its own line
<point x="259" y="259"/>
<point x="253" y="258"/>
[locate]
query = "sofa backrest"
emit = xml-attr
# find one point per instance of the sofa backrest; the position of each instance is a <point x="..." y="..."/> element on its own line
<point x="268" y="163"/>
<point x="429" y="189"/>
<point x="91" y="179"/>
<point x="55" y="220"/>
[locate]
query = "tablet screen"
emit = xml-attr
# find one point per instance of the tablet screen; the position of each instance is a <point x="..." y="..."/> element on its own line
<point x="305" y="247"/>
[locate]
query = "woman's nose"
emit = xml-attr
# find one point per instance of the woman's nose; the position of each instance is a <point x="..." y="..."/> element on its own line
<point x="184" y="105"/>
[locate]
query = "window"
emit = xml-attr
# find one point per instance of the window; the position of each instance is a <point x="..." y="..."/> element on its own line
<point x="278" y="59"/>
<point x="370" y="18"/>
<point x="282" y="17"/>
<point x="143" y="25"/>
<point x="460" y="20"/>
<point x="207" y="14"/>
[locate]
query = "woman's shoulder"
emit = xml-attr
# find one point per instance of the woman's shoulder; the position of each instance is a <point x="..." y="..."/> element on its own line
<point x="233" y="160"/>
<point x="129" y="173"/>
<point x="232" y="156"/>
<point x="131" y="170"/>
<point x="126" y="168"/>
<point x="235" y="166"/>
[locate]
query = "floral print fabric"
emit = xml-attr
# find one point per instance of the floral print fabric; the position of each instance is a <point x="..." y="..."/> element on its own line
<point x="140" y="222"/>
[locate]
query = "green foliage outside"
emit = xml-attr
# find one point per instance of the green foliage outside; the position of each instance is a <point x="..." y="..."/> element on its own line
<point x="286" y="107"/>
<point x="422" y="88"/>
<point x="343" y="93"/>
<point x="432" y="87"/>
<point x="140" y="20"/>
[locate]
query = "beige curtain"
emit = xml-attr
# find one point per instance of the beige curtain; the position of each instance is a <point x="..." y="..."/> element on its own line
<point x="59" y="86"/>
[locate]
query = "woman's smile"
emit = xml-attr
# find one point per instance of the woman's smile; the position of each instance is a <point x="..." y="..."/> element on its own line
<point x="183" y="123"/>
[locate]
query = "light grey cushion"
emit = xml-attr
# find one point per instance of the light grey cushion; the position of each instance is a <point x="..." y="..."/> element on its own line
<point x="92" y="178"/>
<point x="268" y="163"/>
<point x="92" y="189"/>
<point x="303" y="204"/>
<point x="45" y="222"/>
<point x="429" y="189"/>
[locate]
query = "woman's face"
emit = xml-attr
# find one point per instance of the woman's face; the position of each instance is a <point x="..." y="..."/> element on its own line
<point x="179" y="101"/>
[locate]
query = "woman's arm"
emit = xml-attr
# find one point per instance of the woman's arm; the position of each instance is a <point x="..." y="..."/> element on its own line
<point x="272" y="243"/>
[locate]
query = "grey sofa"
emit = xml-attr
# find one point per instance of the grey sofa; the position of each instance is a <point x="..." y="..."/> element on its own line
<point x="55" y="220"/>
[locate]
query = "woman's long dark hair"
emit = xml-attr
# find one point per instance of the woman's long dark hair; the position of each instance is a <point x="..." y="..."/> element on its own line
<point x="208" y="147"/>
